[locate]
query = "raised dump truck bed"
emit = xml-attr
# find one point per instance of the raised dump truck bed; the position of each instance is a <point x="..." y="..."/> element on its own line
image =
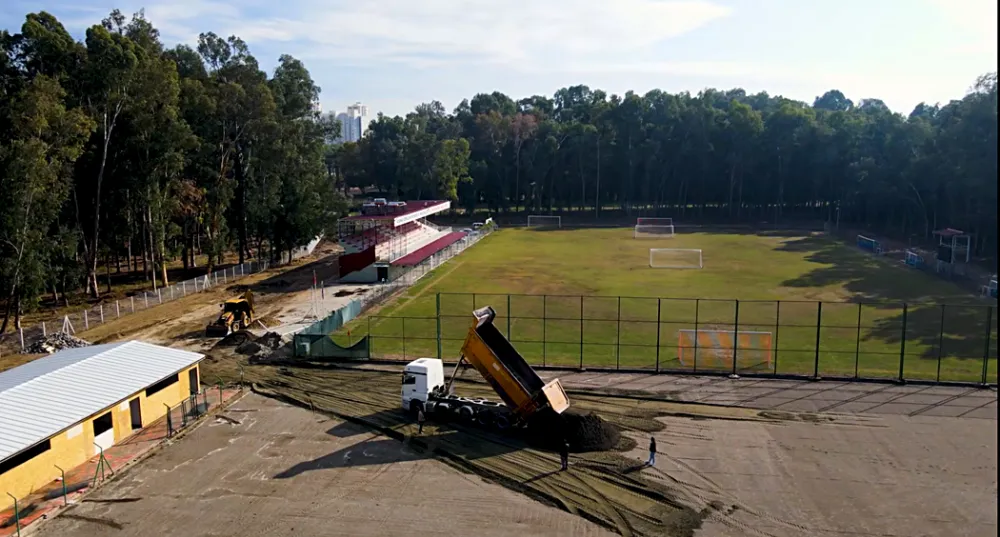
<point x="508" y="373"/>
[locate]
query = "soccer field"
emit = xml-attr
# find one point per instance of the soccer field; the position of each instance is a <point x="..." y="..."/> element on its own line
<point x="588" y="296"/>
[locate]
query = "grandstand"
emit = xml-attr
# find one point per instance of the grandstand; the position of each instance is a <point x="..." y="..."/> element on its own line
<point x="388" y="237"/>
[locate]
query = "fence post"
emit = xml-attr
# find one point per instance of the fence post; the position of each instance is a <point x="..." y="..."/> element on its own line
<point x="131" y="300"/>
<point x="17" y="515"/>
<point x="184" y="290"/>
<point x="86" y="320"/>
<point x="508" y="318"/>
<point x="62" y="479"/>
<point x="736" y="339"/>
<point x="618" y="337"/>
<point x="941" y="344"/>
<point x="544" y="344"/>
<point x="857" y="344"/>
<point x="145" y="298"/>
<point x="159" y="295"/>
<point x="44" y="333"/>
<point x="819" y="326"/>
<point x="437" y="308"/>
<point x="170" y="422"/>
<point x="172" y="291"/>
<point x="986" y="350"/>
<point x="902" y="345"/>
<point x="697" y="307"/>
<point x="777" y="325"/>
<point x="118" y="310"/>
<point x="659" y="304"/>
<point x="20" y="333"/>
<point x="370" y="337"/>
<point x="404" y="337"/>
<point x="581" y="332"/>
<point x="101" y="309"/>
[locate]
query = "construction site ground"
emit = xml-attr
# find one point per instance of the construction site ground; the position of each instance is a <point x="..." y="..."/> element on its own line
<point x="824" y="458"/>
<point x="276" y="469"/>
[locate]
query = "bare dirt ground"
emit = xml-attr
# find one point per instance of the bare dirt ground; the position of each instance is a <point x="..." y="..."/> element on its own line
<point x="282" y="296"/>
<point x="286" y="471"/>
<point x="873" y="476"/>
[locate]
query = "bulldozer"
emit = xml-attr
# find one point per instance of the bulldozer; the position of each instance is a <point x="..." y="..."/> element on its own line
<point x="237" y="314"/>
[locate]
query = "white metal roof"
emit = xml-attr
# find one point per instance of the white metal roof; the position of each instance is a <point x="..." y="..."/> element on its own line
<point x="48" y="395"/>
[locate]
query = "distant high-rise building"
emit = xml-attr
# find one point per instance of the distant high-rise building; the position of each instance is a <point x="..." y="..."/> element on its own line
<point x="353" y="123"/>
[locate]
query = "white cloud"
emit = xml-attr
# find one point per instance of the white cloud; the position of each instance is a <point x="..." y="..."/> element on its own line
<point x="524" y="33"/>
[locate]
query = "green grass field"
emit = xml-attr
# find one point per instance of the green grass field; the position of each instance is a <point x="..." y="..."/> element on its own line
<point x="557" y="293"/>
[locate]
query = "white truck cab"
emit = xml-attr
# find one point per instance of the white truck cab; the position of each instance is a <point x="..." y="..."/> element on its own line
<point x="420" y="378"/>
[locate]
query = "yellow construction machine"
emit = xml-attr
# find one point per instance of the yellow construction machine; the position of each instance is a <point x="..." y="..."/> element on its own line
<point x="237" y="314"/>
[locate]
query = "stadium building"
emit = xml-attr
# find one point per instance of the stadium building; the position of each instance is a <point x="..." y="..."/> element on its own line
<point x="389" y="237"/>
<point x="63" y="409"/>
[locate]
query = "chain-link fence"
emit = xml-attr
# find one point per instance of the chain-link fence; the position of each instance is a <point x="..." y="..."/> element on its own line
<point x="195" y="406"/>
<point x="25" y="337"/>
<point x="926" y="342"/>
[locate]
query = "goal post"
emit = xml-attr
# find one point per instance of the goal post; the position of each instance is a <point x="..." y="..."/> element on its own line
<point x="718" y="349"/>
<point x="535" y="220"/>
<point x="870" y="244"/>
<point x="675" y="258"/>
<point x="650" y="221"/>
<point x="653" y="232"/>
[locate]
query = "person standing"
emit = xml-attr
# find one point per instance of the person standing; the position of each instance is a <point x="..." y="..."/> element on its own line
<point x="652" y="452"/>
<point x="564" y="455"/>
<point x="420" y="421"/>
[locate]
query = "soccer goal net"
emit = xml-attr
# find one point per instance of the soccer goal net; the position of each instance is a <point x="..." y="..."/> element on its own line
<point x="653" y="232"/>
<point x="544" y="221"/>
<point x="676" y="258"/>
<point x="721" y="348"/>
<point x="648" y="221"/>
<point x="870" y="244"/>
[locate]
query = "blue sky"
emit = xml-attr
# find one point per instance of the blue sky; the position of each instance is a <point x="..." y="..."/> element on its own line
<point x="394" y="54"/>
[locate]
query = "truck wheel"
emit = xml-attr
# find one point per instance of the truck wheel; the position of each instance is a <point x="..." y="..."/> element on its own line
<point x="466" y="412"/>
<point x="502" y="422"/>
<point x="237" y="326"/>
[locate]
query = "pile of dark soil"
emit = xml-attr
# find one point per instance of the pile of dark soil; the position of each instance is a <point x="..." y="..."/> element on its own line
<point x="249" y="347"/>
<point x="583" y="431"/>
<point x="235" y="339"/>
<point x="275" y="283"/>
<point x="238" y="288"/>
<point x="271" y="340"/>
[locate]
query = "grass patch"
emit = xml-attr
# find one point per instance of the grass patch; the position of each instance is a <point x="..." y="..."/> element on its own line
<point x="566" y="297"/>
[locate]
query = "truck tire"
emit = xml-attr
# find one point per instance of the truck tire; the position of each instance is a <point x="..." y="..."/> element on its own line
<point x="467" y="413"/>
<point x="502" y="422"/>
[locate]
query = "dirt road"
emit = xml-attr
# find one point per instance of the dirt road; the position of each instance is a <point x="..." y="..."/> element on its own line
<point x="282" y="295"/>
<point x="284" y="471"/>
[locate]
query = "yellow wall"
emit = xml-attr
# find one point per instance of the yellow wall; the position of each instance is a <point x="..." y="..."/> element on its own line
<point x="75" y="445"/>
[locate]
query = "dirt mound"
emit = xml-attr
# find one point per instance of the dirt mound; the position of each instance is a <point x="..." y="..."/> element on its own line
<point x="56" y="341"/>
<point x="280" y="282"/>
<point x="249" y="347"/>
<point x="238" y="288"/>
<point x="271" y="340"/>
<point x="235" y="339"/>
<point x="269" y="321"/>
<point x="583" y="431"/>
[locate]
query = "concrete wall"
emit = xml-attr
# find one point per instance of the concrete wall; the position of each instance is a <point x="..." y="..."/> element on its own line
<point x="75" y="445"/>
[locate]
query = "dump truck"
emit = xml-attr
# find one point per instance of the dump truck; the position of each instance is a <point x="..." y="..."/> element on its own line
<point x="237" y="314"/>
<point x="523" y="393"/>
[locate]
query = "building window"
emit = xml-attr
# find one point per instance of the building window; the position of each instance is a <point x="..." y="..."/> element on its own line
<point x="159" y="386"/>
<point x="103" y="424"/>
<point x="13" y="462"/>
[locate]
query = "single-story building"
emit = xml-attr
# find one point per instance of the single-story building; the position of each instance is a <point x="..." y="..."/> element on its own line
<point x="62" y="409"/>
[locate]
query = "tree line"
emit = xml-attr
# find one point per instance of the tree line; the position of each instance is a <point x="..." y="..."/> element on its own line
<point x="721" y="155"/>
<point x="118" y="148"/>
